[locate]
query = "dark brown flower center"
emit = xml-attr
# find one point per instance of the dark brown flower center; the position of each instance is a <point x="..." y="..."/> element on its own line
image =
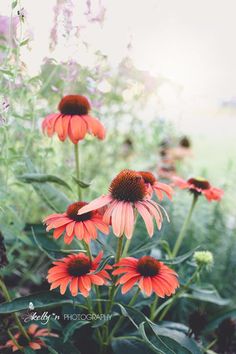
<point x="74" y="105"/>
<point x="80" y="266"/>
<point x="72" y="212"/>
<point x="148" y="177"/>
<point x="200" y="183"/>
<point x="128" y="186"/>
<point x="185" y="142"/>
<point x="148" y="266"/>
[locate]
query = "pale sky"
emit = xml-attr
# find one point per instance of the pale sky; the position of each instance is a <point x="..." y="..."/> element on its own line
<point x="191" y="43"/>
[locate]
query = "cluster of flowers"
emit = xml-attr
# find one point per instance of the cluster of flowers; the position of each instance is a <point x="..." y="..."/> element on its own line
<point x="129" y="194"/>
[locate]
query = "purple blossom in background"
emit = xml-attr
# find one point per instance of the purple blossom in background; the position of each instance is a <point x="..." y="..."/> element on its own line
<point x="95" y="11"/>
<point x="5" y="30"/>
<point x="63" y="22"/>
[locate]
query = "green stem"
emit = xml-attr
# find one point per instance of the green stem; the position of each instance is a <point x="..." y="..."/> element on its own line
<point x="126" y="247"/>
<point x="87" y="248"/>
<point x="182" y="233"/>
<point x="121" y="319"/>
<point x="17" y="320"/>
<point x="153" y="309"/>
<point x="119" y="248"/>
<point x="77" y="169"/>
<point x="20" y="348"/>
<point x="177" y="295"/>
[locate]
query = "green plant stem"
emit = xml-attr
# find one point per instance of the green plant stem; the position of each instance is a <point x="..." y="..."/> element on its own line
<point x="20" y="348"/>
<point x="17" y="320"/>
<point x="87" y="248"/>
<point x="177" y="295"/>
<point x="121" y="319"/>
<point x="183" y="230"/>
<point x="77" y="169"/>
<point x="153" y="308"/>
<point x="126" y="247"/>
<point x="119" y="248"/>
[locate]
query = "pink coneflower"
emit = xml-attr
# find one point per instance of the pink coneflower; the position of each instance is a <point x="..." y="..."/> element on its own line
<point x="78" y="271"/>
<point x="126" y="193"/>
<point x="155" y="186"/>
<point x="84" y="226"/>
<point x="150" y="275"/>
<point x="73" y="120"/>
<point x="199" y="186"/>
<point x="35" y="333"/>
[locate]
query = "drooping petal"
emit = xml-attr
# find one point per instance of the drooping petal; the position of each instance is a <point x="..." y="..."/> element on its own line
<point x="147" y="217"/>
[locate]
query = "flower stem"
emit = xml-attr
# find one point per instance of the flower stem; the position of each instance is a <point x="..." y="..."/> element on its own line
<point x="87" y="248"/>
<point x="126" y="247"/>
<point x="20" y="348"/>
<point x="183" y="230"/>
<point x="119" y="248"/>
<point x="77" y="169"/>
<point x="121" y="319"/>
<point x="17" y="320"/>
<point x="153" y="309"/>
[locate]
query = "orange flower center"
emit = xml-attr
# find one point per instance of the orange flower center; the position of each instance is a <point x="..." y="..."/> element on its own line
<point x="148" y="266"/>
<point x="199" y="182"/>
<point x="148" y="177"/>
<point x="72" y="212"/>
<point x="128" y="186"/>
<point x="74" y="105"/>
<point x="80" y="266"/>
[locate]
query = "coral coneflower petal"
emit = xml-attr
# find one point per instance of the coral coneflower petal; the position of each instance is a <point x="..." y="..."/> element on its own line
<point x="95" y="127"/>
<point x="79" y="230"/>
<point x="78" y="127"/>
<point x="34" y="345"/>
<point x="146" y="217"/>
<point x="96" y="279"/>
<point x="127" y="277"/>
<point x="32" y="328"/>
<point x="129" y="222"/>
<point x="90" y="228"/>
<point x="70" y="228"/>
<point x="162" y="187"/>
<point x="127" y="286"/>
<point x="118" y="219"/>
<point x="63" y="285"/>
<point x="74" y="286"/>
<point x="58" y="232"/>
<point x="96" y="204"/>
<point x="86" y="282"/>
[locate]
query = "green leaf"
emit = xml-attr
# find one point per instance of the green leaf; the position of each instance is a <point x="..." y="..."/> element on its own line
<point x="24" y="42"/>
<point x="71" y="327"/>
<point x="103" y="264"/>
<point x="130" y="345"/>
<point x="42" y="178"/>
<point x="28" y="350"/>
<point x="179" y="259"/>
<point x="53" y="253"/>
<point x="208" y="294"/>
<point x="6" y="72"/>
<point x="14" y="3"/>
<point x="55" y="199"/>
<point x="46" y="299"/>
<point x="168" y="340"/>
<point x="178" y="337"/>
<point x="81" y="183"/>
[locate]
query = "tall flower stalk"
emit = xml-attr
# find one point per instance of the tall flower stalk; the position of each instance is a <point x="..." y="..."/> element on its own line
<point x="184" y="227"/>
